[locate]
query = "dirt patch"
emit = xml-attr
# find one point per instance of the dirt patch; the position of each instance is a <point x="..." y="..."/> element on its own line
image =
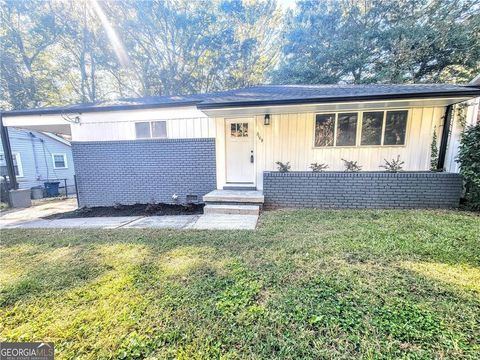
<point x="130" y="210"/>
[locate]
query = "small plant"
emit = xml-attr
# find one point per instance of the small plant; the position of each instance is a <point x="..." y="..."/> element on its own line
<point x="283" y="167"/>
<point x="351" y="166"/>
<point x="434" y="152"/>
<point x="316" y="167"/>
<point x="395" y="165"/>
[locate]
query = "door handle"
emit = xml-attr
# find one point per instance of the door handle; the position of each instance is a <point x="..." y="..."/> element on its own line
<point x="251" y="156"/>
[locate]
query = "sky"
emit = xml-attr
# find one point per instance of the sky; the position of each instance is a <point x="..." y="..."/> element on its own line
<point x="287" y="3"/>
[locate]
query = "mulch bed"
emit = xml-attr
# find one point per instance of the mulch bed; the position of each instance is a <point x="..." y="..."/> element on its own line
<point x="131" y="210"/>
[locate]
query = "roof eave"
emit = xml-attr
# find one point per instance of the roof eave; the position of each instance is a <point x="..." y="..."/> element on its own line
<point x="206" y="106"/>
<point x="80" y="110"/>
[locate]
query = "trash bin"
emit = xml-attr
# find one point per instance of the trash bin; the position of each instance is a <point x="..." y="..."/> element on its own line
<point x="20" y="198"/>
<point x="51" y="188"/>
<point x="37" y="192"/>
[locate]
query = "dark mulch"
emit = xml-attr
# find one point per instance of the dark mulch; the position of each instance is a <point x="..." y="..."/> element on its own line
<point x="131" y="210"/>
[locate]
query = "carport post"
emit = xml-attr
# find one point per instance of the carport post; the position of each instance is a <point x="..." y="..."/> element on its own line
<point x="7" y="152"/>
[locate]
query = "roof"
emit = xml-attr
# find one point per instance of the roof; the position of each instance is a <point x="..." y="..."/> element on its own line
<point x="475" y="81"/>
<point x="270" y="95"/>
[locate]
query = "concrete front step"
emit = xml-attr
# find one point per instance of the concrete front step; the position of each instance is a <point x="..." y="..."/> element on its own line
<point x="234" y="196"/>
<point x="231" y="209"/>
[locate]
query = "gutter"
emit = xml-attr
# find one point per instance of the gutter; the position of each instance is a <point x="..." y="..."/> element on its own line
<point x="445" y="133"/>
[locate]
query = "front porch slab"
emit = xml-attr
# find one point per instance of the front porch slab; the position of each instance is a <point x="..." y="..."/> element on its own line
<point x="234" y="196"/>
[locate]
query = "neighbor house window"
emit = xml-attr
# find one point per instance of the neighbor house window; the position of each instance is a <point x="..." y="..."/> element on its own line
<point x="151" y="129"/>
<point x="59" y="161"/>
<point x="324" y="129"/>
<point x="17" y="165"/>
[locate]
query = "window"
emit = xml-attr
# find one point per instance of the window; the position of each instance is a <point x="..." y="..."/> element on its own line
<point x="59" y="161"/>
<point x="372" y="124"/>
<point x="347" y="129"/>
<point x="324" y="129"/>
<point x="159" y="129"/>
<point x="17" y="165"/>
<point x="377" y="128"/>
<point x="148" y="130"/>
<point x="395" y="128"/>
<point x="142" y="130"/>
<point x="239" y="129"/>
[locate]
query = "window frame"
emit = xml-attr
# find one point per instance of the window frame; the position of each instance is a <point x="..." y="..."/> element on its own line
<point x="358" y="136"/>
<point x="18" y="160"/>
<point x="150" y="124"/>
<point x="64" y="155"/>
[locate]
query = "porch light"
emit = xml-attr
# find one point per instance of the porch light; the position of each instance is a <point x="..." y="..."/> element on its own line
<point x="266" y="119"/>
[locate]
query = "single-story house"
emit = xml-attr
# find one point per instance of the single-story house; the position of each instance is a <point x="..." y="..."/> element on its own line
<point x="38" y="158"/>
<point x="181" y="148"/>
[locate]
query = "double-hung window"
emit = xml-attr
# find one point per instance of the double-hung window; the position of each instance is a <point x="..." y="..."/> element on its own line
<point x="59" y="161"/>
<point x="368" y="128"/>
<point x="151" y="129"/>
<point x="17" y="165"/>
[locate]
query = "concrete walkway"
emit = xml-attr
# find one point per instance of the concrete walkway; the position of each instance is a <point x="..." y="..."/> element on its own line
<point x="32" y="218"/>
<point x="199" y="222"/>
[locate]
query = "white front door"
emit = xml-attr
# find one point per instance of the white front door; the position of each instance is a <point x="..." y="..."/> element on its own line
<point x="239" y="143"/>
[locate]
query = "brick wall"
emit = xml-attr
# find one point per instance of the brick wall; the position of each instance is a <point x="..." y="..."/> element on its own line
<point x="143" y="171"/>
<point x="362" y="189"/>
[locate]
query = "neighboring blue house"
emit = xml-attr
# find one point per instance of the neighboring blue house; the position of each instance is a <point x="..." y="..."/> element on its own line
<point x="39" y="157"/>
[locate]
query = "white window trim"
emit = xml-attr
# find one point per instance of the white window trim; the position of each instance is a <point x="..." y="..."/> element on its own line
<point x="359" y="129"/>
<point x="64" y="160"/>
<point x="18" y="160"/>
<point x="150" y="123"/>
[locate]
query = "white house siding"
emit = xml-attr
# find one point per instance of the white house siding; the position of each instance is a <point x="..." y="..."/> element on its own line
<point x="290" y="137"/>
<point x="36" y="158"/>
<point x="182" y="123"/>
<point x="471" y="117"/>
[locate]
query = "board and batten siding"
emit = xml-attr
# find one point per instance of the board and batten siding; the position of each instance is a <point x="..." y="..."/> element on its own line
<point x="290" y="137"/>
<point x="181" y="122"/>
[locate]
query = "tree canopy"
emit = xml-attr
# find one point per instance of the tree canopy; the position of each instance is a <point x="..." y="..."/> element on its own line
<point x="55" y="52"/>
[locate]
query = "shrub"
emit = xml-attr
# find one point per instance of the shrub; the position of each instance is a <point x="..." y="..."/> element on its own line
<point x="283" y="167"/>
<point x="351" y="166"/>
<point x="469" y="159"/>
<point x="395" y="165"/>
<point x="316" y="167"/>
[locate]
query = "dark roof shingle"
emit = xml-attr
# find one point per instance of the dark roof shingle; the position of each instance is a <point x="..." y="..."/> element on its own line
<point x="271" y="95"/>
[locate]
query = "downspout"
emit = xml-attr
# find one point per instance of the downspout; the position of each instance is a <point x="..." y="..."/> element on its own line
<point x="35" y="160"/>
<point x="442" y="152"/>
<point x="7" y="152"/>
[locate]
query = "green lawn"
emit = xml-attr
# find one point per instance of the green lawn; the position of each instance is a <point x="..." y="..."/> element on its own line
<point x="306" y="284"/>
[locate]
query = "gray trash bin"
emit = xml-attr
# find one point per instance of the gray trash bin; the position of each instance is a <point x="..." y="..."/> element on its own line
<point x="37" y="192"/>
<point x="20" y="198"/>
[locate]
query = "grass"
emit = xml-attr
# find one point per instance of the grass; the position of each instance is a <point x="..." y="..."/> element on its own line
<point x="307" y="284"/>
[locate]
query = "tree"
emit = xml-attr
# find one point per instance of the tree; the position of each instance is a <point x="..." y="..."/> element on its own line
<point x="29" y="30"/>
<point x="381" y="41"/>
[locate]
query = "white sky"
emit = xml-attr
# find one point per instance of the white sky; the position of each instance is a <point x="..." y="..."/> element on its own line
<point x="287" y="3"/>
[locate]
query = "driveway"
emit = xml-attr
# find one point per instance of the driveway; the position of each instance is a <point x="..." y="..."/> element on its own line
<point x="39" y="209"/>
